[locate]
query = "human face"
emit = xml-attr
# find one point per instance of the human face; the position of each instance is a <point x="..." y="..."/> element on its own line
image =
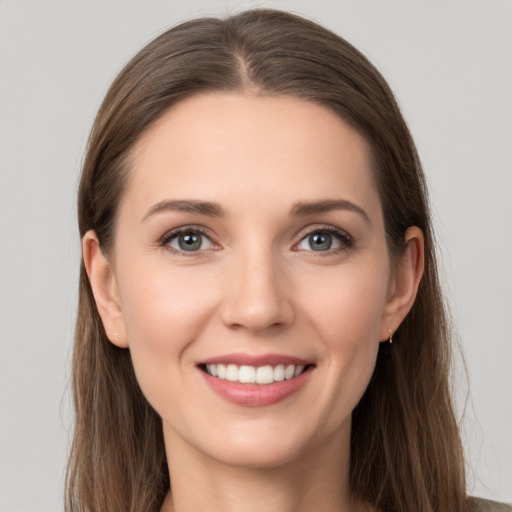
<point x="251" y="233"/>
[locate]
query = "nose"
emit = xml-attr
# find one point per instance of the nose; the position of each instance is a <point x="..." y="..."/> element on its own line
<point x="257" y="294"/>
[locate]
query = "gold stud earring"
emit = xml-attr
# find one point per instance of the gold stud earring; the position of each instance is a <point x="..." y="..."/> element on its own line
<point x="390" y="336"/>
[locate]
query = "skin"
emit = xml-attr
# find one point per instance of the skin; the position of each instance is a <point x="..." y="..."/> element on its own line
<point x="256" y="286"/>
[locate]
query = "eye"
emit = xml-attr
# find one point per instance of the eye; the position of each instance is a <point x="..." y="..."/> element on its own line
<point x="187" y="240"/>
<point x="322" y="240"/>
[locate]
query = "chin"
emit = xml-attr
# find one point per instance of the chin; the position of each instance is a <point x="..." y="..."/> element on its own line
<point x="258" y="455"/>
<point x="267" y="445"/>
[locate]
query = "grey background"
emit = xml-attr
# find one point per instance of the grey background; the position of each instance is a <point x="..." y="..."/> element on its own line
<point x="450" y="64"/>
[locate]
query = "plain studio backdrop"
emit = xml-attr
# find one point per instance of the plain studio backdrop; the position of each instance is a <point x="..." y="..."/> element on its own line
<point x="450" y="65"/>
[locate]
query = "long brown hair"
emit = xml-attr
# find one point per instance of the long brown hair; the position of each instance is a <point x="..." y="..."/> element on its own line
<point x="405" y="449"/>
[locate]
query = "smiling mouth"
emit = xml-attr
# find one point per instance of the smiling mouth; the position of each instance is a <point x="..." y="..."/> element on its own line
<point x="262" y="375"/>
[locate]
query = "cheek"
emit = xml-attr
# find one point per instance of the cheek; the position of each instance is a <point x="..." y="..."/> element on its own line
<point x="164" y="312"/>
<point x="347" y="306"/>
<point x="346" y="313"/>
<point x="162" y="305"/>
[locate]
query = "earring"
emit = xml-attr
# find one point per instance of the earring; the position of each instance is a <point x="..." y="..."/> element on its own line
<point x="390" y="336"/>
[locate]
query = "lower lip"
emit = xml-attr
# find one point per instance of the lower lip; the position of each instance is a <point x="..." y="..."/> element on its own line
<point x="256" y="395"/>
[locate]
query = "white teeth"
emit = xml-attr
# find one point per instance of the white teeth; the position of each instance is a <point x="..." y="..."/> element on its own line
<point x="232" y="372"/>
<point x="279" y="373"/>
<point x="252" y="375"/>
<point x="298" y="370"/>
<point x="265" y="375"/>
<point x="221" y="371"/>
<point x="247" y="374"/>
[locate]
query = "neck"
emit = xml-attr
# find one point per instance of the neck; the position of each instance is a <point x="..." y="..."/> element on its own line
<point x="316" y="480"/>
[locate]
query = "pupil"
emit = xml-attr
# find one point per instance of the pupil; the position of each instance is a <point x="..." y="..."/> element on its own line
<point x="190" y="242"/>
<point x="320" y="241"/>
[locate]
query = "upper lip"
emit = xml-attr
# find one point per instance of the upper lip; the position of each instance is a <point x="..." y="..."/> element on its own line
<point x="256" y="360"/>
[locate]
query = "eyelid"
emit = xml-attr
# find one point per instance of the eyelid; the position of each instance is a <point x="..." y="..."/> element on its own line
<point x="344" y="237"/>
<point x="189" y="228"/>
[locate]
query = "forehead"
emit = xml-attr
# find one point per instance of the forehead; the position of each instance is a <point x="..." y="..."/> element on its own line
<point x="224" y="146"/>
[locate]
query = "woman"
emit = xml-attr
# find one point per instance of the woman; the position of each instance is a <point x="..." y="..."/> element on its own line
<point x="260" y="320"/>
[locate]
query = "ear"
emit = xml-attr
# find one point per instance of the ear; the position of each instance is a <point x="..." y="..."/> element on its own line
<point x="404" y="282"/>
<point x="104" y="288"/>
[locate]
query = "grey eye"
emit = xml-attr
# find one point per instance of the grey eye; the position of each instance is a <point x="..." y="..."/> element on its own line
<point x="319" y="241"/>
<point x="190" y="241"/>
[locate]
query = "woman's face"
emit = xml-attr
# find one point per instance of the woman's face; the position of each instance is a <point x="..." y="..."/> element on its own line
<point x="250" y="245"/>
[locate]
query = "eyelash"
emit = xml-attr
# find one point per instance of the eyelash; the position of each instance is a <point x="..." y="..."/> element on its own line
<point x="346" y="241"/>
<point x="174" y="233"/>
<point x="343" y="237"/>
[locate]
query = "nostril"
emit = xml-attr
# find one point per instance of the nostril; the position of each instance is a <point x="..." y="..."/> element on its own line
<point x="256" y="299"/>
<point x="269" y="316"/>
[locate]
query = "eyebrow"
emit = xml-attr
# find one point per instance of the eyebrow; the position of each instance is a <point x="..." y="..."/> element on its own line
<point x="187" y="206"/>
<point x="210" y="209"/>
<point x="303" y="208"/>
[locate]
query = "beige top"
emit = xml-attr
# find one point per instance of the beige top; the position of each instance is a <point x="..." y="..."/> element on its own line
<point x="480" y="505"/>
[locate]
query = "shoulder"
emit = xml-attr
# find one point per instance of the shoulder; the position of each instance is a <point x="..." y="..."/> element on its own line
<point x="481" y="505"/>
